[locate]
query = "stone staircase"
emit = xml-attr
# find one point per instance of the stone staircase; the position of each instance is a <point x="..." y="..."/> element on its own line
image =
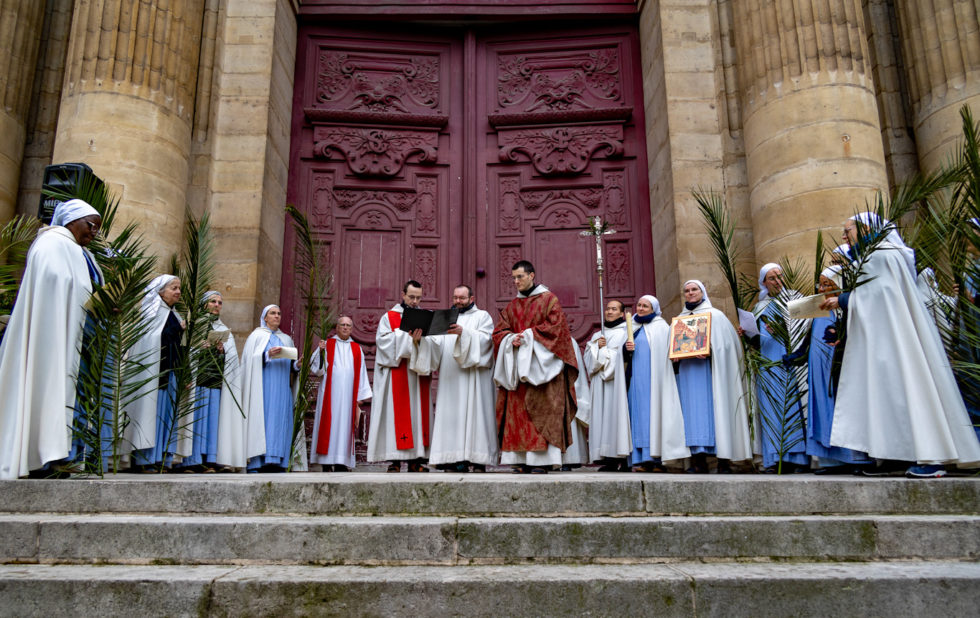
<point x="490" y="545"/>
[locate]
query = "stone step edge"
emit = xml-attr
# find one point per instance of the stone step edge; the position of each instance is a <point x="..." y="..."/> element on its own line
<point x="464" y="495"/>
<point x="115" y="539"/>
<point x="679" y="589"/>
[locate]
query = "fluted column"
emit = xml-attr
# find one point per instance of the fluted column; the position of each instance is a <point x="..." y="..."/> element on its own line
<point x="20" y="31"/>
<point x="128" y="103"/>
<point x="812" y="137"/>
<point x="941" y="49"/>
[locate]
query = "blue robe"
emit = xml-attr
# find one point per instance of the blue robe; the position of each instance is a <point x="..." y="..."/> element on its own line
<point x="697" y="404"/>
<point x="277" y="409"/>
<point x="821" y="404"/>
<point x="779" y="425"/>
<point x="638" y="397"/>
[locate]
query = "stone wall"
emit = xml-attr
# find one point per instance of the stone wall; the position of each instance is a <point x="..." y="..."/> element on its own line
<point x="688" y="73"/>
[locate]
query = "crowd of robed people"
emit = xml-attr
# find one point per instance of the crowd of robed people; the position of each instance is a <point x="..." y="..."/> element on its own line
<point x="517" y="392"/>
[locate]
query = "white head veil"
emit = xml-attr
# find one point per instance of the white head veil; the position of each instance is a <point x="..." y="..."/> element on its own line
<point x="833" y="273"/>
<point x="151" y="295"/>
<point x="874" y="223"/>
<point x="704" y="292"/>
<point x="763" y="290"/>
<point x="262" y="323"/>
<point x="72" y="210"/>
<point x="653" y="303"/>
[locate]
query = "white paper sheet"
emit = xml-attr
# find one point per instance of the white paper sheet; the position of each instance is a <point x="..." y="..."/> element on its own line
<point x="747" y="321"/>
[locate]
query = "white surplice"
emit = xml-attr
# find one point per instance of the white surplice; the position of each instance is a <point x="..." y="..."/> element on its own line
<point x="340" y="449"/>
<point x="731" y="417"/>
<point x="392" y="347"/>
<point x="465" y="427"/>
<point x="577" y="453"/>
<point x="897" y="397"/>
<point x="39" y="356"/>
<point x="609" y="432"/>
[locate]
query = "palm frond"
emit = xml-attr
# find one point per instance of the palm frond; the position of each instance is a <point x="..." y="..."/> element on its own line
<point x="721" y="234"/>
<point x="315" y="284"/>
<point x="15" y="240"/>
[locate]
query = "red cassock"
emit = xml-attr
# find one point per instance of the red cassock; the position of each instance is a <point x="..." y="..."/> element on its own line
<point x="532" y="417"/>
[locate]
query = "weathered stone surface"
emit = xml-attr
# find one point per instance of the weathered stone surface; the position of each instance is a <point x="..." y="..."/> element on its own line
<point x="881" y="589"/>
<point x="52" y="591"/>
<point x="155" y="539"/>
<point x="243" y="540"/>
<point x="678" y="589"/>
<point x="451" y="494"/>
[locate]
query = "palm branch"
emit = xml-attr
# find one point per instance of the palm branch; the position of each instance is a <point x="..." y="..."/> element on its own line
<point x="721" y="234"/>
<point x="15" y="239"/>
<point x="314" y="280"/>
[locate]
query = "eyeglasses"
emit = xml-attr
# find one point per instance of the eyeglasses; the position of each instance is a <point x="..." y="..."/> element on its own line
<point x="92" y="227"/>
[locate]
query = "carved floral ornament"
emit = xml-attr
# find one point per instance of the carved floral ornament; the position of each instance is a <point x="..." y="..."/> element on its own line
<point x="378" y="83"/>
<point x="375" y="152"/>
<point x="562" y="150"/>
<point x="556" y="82"/>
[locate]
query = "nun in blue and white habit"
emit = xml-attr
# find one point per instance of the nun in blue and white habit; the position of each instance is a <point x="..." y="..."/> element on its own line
<point x="267" y="397"/>
<point x="217" y="398"/>
<point x="153" y="424"/>
<point x="818" y="350"/>
<point x="781" y="404"/>
<point x="712" y="391"/>
<point x="656" y="420"/>
<point x="40" y="352"/>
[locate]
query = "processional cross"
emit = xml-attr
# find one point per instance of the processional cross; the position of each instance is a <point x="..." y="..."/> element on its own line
<point x="597" y="229"/>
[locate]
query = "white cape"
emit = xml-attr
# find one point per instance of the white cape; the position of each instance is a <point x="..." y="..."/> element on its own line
<point x="609" y="432"/>
<point x="231" y="419"/>
<point x="465" y="426"/>
<point x="141" y="431"/>
<point x="393" y="346"/>
<point x="898" y="398"/>
<point x="667" y="439"/>
<point x="252" y="404"/>
<point x="39" y="356"/>
<point x="340" y="449"/>
<point x="731" y="417"/>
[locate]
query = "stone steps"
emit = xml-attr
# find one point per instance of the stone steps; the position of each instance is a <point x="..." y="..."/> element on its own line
<point x="580" y="543"/>
<point x="499" y="494"/>
<point x="934" y="589"/>
<point x="325" y="540"/>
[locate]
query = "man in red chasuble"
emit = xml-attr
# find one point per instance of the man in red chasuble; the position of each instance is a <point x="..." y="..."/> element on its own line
<point x="536" y="371"/>
<point x="401" y="410"/>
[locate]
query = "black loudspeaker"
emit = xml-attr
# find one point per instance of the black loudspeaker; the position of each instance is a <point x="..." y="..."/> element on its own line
<point x="62" y="177"/>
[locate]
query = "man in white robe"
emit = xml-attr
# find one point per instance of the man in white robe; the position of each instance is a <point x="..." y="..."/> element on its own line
<point x="401" y="410"/>
<point x="610" y="442"/>
<point x="897" y="397"/>
<point x="39" y="356"/>
<point x="464" y="432"/>
<point x="343" y="389"/>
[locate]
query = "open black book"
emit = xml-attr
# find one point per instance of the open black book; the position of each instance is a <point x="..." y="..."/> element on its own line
<point x="431" y="322"/>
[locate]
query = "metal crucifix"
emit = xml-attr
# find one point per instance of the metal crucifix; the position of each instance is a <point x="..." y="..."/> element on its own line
<point x="599" y="228"/>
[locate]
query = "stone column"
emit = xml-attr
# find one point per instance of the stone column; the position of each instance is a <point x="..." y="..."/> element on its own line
<point x="941" y="49"/>
<point x="20" y="31"/>
<point x="128" y="103"/>
<point x="812" y="135"/>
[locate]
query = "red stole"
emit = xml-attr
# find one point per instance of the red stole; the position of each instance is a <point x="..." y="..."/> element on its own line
<point x="402" y="400"/>
<point x="323" y="437"/>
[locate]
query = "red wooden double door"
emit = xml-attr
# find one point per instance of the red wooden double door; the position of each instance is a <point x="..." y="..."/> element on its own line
<point x="446" y="155"/>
